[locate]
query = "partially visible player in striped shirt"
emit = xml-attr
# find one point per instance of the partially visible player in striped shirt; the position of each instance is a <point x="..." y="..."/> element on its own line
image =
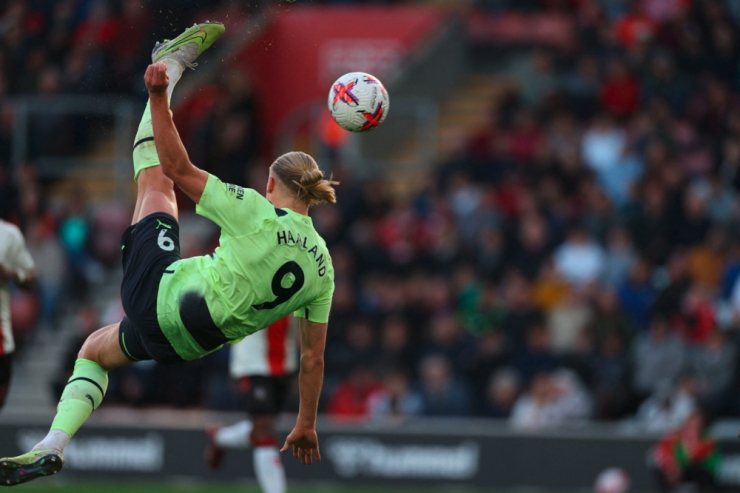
<point x="262" y="366"/>
<point x="16" y="266"/>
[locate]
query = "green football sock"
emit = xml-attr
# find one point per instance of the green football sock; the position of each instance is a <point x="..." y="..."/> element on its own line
<point x="82" y="395"/>
<point x="145" y="152"/>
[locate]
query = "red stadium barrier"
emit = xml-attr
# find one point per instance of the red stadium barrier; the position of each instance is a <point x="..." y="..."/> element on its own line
<point x="295" y="59"/>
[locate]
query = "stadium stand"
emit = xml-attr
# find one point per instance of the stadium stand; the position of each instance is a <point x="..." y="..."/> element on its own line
<point x="585" y="219"/>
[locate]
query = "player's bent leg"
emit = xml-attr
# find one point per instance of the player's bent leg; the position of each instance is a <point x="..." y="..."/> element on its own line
<point x="103" y="348"/>
<point x="86" y="388"/>
<point x="155" y="191"/>
<point x="156" y="194"/>
<point x="82" y="395"/>
<point x="223" y="438"/>
<point x="239" y="436"/>
<point x="263" y="429"/>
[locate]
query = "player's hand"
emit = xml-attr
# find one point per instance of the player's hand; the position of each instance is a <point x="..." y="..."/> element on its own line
<point x="6" y="273"/>
<point x="305" y="445"/>
<point x="156" y="78"/>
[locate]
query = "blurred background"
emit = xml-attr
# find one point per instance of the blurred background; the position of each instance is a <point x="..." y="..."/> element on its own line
<point x="537" y="255"/>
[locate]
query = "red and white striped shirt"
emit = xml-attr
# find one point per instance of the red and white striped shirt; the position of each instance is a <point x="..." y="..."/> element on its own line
<point x="272" y="352"/>
<point x="13" y="254"/>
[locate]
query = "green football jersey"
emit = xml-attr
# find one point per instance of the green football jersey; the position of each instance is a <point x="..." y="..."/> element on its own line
<point x="270" y="262"/>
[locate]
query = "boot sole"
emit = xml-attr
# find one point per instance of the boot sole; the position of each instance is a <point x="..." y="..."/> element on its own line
<point x="13" y="473"/>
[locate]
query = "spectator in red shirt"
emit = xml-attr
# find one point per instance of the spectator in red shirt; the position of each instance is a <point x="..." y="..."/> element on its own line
<point x="99" y="28"/>
<point x="635" y="27"/>
<point x="525" y="139"/>
<point x="351" y="397"/>
<point x="695" y="320"/>
<point x="620" y="91"/>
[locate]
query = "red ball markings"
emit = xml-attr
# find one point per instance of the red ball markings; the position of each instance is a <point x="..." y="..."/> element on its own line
<point x="344" y="93"/>
<point x="373" y="119"/>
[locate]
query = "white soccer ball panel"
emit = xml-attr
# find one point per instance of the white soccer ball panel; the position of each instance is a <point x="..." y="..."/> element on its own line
<point x="358" y="102"/>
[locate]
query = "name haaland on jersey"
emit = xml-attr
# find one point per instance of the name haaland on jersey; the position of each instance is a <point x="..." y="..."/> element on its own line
<point x="286" y="237"/>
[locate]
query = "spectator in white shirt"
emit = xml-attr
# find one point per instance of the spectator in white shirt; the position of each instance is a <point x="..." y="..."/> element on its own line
<point x="669" y="407"/>
<point x="553" y="399"/>
<point x="579" y="259"/>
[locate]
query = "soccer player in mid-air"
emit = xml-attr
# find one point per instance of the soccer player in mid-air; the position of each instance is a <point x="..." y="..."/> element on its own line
<point x="270" y="263"/>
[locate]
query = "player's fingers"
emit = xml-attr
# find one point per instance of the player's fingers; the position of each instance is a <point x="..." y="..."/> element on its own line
<point x="295" y="451"/>
<point x="160" y="72"/>
<point x="318" y="453"/>
<point x="286" y="446"/>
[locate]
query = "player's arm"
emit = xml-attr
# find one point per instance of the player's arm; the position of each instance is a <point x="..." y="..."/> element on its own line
<point x="24" y="279"/>
<point x="172" y="154"/>
<point x="303" y="438"/>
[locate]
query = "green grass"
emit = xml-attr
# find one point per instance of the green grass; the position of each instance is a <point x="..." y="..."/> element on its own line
<point x="53" y="486"/>
<point x="109" y="487"/>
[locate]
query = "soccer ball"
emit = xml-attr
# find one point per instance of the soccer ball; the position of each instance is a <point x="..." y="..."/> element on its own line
<point x="612" y="480"/>
<point x="358" y="102"/>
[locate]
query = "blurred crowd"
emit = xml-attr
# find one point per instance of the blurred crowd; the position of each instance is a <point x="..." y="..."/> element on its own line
<point x="577" y="259"/>
<point x="70" y="47"/>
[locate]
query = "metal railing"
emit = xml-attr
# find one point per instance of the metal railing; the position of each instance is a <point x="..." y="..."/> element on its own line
<point x="121" y="110"/>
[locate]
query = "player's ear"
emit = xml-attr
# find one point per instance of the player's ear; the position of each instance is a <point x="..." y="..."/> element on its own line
<point x="270" y="184"/>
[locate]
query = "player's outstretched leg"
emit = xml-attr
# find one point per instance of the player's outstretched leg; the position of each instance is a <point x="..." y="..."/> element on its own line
<point x="82" y="395"/>
<point x="261" y="435"/>
<point x="236" y="436"/>
<point x="101" y="352"/>
<point x="155" y="190"/>
<point x="86" y="389"/>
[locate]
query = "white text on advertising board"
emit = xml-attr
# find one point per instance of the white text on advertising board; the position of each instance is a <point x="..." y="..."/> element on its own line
<point x="355" y="456"/>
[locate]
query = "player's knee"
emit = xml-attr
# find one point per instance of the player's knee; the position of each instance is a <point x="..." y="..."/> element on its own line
<point x="263" y="427"/>
<point x="90" y="349"/>
<point x="87" y="352"/>
<point x="154" y="179"/>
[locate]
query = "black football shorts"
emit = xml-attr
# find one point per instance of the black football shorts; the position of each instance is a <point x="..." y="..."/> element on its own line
<point x="149" y="248"/>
